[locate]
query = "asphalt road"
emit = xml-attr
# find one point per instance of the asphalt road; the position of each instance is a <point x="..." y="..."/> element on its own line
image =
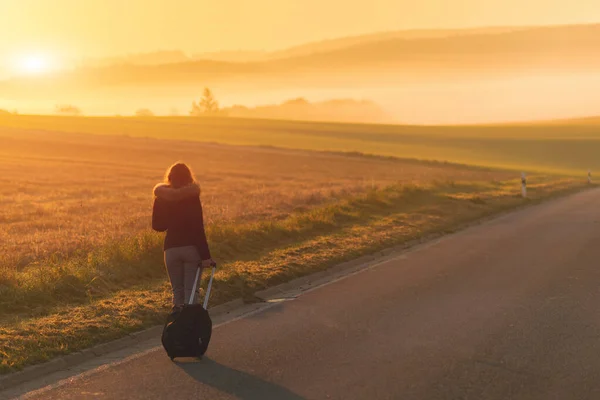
<point x="505" y="310"/>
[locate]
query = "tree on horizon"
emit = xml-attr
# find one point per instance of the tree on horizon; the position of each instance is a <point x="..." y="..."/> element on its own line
<point x="144" y="112"/>
<point x="208" y="105"/>
<point x="68" y="109"/>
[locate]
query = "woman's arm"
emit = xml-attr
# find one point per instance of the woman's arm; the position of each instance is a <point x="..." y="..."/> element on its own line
<point x="160" y="217"/>
<point x="202" y="242"/>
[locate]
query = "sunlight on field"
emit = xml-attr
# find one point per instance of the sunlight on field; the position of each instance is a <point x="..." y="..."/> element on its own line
<point x="553" y="147"/>
<point x="67" y="193"/>
<point x="75" y="214"/>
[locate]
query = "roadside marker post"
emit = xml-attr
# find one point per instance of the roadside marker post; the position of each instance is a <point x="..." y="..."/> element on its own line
<point x="523" y="185"/>
<point x="589" y="177"/>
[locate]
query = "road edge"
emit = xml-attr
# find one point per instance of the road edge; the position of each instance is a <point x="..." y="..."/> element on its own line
<point x="281" y="292"/>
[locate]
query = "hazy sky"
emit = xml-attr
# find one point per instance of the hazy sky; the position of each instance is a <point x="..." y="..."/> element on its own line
<point x="107" y="27"/>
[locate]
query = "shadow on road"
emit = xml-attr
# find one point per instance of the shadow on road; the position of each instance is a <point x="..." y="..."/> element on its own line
<point x="236" y="383"/>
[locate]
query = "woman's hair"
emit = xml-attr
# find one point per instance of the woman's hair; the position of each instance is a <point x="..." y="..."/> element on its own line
<point x="179" y="175"/>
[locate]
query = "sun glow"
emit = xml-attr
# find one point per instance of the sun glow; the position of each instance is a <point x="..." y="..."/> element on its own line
<point x="32" y="64"/>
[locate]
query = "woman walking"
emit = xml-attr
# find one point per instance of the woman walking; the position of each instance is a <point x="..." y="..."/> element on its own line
<point x="177" y="209"/>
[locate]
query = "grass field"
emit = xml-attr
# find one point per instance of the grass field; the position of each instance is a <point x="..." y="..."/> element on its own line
<point x="79" y="264"/>
<point x="64" y="193"/>
<point x="568" y="147"/>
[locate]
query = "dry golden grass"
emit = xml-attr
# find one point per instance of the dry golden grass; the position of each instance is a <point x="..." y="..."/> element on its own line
<point x="319" y="238"/>
<point x="76" y="248"/>
<point x="65" y="193"/>
<point x="564" y="148"/>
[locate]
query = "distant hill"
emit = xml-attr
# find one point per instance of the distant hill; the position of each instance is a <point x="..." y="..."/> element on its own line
<point x="549" y="47"/>
<point x="233" y="56"/>
<point x="151" y="58"/>
<point x="332" y="45"/>
<point x="411" y="54"/>
<point x="595" y="120"/>
<point x="339" y="110"/>
<point x="341" y="43"/>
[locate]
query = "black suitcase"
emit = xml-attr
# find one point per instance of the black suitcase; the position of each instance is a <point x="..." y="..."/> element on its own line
<point x="187" y="332"/>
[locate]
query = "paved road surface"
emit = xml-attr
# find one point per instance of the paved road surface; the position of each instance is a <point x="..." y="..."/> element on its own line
<point x="506" y="310"/>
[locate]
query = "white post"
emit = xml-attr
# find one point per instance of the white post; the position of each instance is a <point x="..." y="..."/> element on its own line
<point x="589" y="177"/>
<point x="523" y="185"/>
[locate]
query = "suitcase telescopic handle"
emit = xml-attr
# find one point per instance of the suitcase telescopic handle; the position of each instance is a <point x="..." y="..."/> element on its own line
<point x="210" y="281"/>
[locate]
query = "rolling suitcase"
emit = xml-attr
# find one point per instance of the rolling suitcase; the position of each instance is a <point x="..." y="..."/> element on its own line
<point x="187" y="332"/>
